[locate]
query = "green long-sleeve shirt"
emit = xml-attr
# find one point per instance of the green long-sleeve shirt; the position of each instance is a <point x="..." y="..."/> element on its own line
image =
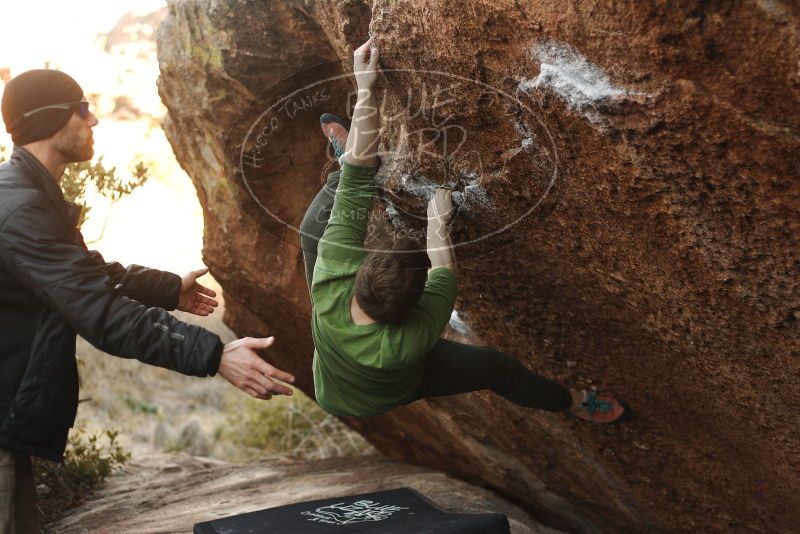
<point x="365" y="370"/>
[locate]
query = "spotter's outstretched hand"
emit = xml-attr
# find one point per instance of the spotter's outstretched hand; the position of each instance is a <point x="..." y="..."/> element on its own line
<point x="243" y="367"/>
<point x="195" y="297"/>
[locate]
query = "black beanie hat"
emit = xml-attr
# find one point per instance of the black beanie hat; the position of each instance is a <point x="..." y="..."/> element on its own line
<point x="35" y="89"/>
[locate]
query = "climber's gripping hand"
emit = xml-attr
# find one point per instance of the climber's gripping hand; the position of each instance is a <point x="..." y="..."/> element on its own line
<point x="365" y="65"/>
<point x="440" y="208"/>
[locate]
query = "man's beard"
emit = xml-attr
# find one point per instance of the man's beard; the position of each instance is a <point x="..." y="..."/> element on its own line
<point x="73" y="149"/>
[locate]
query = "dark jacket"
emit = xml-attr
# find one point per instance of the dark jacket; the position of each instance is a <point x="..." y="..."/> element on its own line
<point x="52" y="288"/>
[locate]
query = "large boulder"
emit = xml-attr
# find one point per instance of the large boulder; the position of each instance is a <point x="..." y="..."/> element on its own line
<point x="628" y="187"/>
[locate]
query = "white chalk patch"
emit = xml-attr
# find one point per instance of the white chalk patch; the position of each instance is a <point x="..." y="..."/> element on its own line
<point x="396" y="218"/>
<point x="773" y="8"/>
<point x="567" y="73"/>
<point x="391" y="211"/>
<point x="468" y="193"/>
<point x="474" y="196"/>
<point x="458" y="324"/>
<point x="380" y="176"/>
<point x="528" y="139"/>
<point x="417" y="186"/>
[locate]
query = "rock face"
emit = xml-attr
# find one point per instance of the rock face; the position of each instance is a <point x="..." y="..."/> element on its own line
<point x="628" y="187"/>
<point x="172" y="492"/>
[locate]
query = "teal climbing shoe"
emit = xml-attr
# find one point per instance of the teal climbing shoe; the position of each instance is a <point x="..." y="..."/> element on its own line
<point x="598" y="409"/>
<point x="336" y="130"/>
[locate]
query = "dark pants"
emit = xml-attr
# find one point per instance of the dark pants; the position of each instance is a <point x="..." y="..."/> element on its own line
<point x="314" y="222"/>
<point x="450" y="368"/>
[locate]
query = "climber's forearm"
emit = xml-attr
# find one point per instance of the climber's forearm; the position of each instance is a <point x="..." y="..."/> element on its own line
<point x="440" y="249"/>
<point x="362" y="141"/>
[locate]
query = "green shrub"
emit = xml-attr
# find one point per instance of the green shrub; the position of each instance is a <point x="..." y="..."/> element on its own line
<point x="107" y="181"/>
<point x="294" y="426"/>
<point x="137" y="405"/>
<point x="88" y="460"/>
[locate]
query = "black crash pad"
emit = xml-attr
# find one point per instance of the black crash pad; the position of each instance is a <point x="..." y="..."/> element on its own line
<point x="397" y="511"/>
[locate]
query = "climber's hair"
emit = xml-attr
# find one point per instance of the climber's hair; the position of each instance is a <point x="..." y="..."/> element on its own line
<point x="390" y="281"/>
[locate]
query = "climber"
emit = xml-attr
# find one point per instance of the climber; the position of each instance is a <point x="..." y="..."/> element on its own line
<point x="377" y="316"/>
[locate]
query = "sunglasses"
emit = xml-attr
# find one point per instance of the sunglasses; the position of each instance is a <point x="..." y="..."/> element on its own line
<point x="82" y="105"/>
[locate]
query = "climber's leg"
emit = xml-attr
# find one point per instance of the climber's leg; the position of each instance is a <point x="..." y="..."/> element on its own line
<point x="452" y="368"/>
<point x="314" y="222"/>
<point x="319" y="211"/>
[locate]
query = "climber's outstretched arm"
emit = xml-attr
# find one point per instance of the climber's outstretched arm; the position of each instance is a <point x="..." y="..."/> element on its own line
<point x="440" y="249"/>
<point x="362" y="141"/>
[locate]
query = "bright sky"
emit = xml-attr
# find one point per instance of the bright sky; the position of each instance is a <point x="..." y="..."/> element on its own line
<point x="159" y="225"/>
<point x="36" y="31"/>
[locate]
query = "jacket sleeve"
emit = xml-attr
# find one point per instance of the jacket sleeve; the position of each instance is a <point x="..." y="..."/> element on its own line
<point x="41" y="256"/>
<point x="151" y="287"/>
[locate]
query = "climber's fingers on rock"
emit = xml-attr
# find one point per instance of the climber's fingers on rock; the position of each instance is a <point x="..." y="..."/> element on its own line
<point x="366" y="54"/>
<point x="373" y="57"/>
<point x="364" y="48"/>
